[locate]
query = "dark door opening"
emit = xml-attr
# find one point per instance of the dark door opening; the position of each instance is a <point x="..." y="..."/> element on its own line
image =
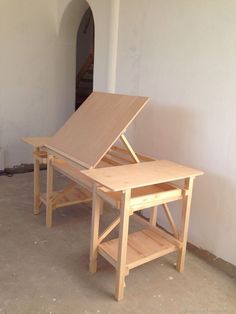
<point x="84" y="58"/>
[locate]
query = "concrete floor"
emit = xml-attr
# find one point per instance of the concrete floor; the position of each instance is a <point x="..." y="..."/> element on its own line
<point x="46" y="271"/>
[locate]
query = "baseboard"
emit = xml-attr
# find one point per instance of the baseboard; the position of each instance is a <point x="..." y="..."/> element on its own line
<point x="213" y="260"/>
<point x="23" y="168"/>
<point x="208" y="257"/>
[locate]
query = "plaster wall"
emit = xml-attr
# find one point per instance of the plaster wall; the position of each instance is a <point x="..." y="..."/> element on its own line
<point x="101" y="12"/>
<point x="182" y="55"/>
<point x="38" y="65"/>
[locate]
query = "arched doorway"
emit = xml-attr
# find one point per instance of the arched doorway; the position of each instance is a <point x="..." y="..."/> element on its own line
<point x="84" y="58"/>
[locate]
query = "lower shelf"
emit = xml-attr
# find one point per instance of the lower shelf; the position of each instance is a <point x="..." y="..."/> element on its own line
<point x="143" y="246"/>
<point x="73" y="196"/>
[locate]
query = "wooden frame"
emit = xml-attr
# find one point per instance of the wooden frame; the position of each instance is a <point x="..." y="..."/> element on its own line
<point x="146" y="183"/>
<point x="136" y="182"/>
<point x="69" y="153"/>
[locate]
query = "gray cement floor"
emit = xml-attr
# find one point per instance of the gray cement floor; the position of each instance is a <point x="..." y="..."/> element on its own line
<point x="46" y="271"/>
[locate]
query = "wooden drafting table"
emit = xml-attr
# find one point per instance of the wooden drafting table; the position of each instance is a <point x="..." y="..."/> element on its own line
<point x="131" y="188"/>
<point x="87" y="140"/>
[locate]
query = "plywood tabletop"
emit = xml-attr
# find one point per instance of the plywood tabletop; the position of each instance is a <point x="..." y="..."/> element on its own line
<point x="36" y="141"/>
<point x="139" y="175"/>
<point x="95" y="127"/>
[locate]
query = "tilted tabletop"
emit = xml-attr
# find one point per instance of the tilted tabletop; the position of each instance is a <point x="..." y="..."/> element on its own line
<point x="131" y="176"/>
<point x="90" y="132"/>
<point x="36" y="141"/>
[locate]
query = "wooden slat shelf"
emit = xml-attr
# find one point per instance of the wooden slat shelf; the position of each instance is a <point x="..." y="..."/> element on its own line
<point x="74" y="196"/>
<point x="123" y="152"/>
<point x="143" y="246"/>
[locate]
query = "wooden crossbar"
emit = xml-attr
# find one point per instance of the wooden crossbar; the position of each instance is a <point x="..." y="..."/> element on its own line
<point x="171" y="220"/>
<point x="109" y="229"/>
<point x="129" y="148"/>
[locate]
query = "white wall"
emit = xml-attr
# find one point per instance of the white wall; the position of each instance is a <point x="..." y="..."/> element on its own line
<point x="101" y="12"/>
<point x="26" y="34"/>
<point x="182" y="55"/>
<point x="37" y="62"/>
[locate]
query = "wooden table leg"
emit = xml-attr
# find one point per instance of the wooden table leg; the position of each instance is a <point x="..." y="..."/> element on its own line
<point x="101" y="206"/>
<point x="122" y="245"/>
<point x="185" y="223"/>
<point x="96" y="211"/>
<point x="153" y="216"/>
<point x="36" y="186"/>
<point x="49" y="192"/>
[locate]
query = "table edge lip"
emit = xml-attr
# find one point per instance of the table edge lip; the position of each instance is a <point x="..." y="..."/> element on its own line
<point x="87" y="171"/>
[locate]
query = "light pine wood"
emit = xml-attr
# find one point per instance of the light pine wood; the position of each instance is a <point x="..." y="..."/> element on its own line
<point x="107" y="115"/>
<point x="123" y="156"/>
<point x="140" y="175"/>
<point x="143" y="246"/>
<point x="117" y="158"/>
<point x="107" y="257"/>
<point x="123" y="152"/>
<point x="153" y="216"/>
<point x="63" y="198"/>
<point x="171" y="220"/>
<point x="109" y="229"/>
<point x="37" y="201"/>
<point x="152" y="195"/>
<point x="94" y="240"/>
<point x="49" y="192"/>
<point x="158" y="230"/>
<point x="122" y="245"/>
<point x="129" y="251"/>
<point x="111" y="161"/>
<point x="66" y="157"/>
<point x="129" y="148"/>
<point x="155" y="199"/>
<point x="186" y="205"/>
<point x="131" y="187"/>
<point x="72" y="172"/>
<point x="40" y="156"/>
<point x="95" y="127"/>
<point x="60" y="194"/>
<point x="102" y="206"/>
<point x="123" y="159"/>
<point x="36" y="142"/>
